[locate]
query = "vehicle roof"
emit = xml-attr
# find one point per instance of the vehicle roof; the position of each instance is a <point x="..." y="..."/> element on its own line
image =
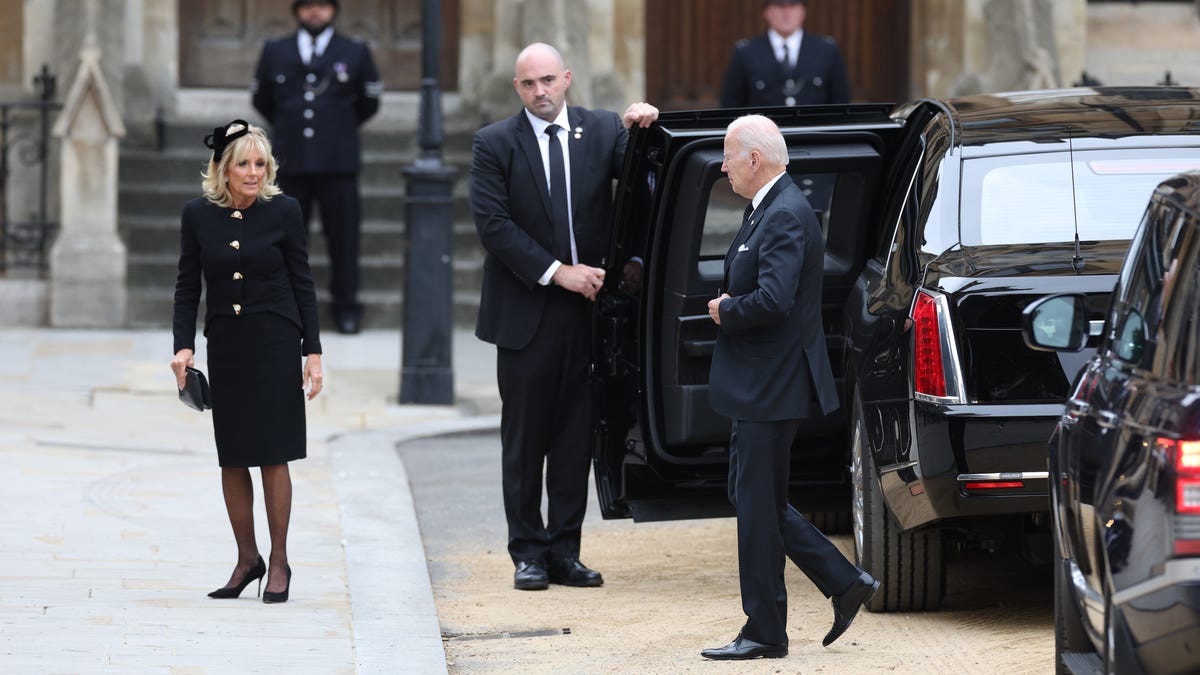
<point x="1048" y="115"/>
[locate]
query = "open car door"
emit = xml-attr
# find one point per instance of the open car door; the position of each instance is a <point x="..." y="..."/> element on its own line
<point x="659" y="450"/>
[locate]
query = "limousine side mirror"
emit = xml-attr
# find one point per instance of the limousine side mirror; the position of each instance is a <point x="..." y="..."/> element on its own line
<point x="1056" y="323"/>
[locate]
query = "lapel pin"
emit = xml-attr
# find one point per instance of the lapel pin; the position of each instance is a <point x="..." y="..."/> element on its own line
<point x="578" y="133"/>
<point x="236" y="214"/>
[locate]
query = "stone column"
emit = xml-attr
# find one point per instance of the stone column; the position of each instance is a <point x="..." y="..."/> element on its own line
<point x="602" y="41"/>
<point x="150" y="60"/>
<point x="962" y="47"/>
<point x="87" y="261"/>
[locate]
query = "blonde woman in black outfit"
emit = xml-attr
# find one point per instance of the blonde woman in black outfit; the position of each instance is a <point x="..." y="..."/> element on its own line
<point x="249" y="243"/>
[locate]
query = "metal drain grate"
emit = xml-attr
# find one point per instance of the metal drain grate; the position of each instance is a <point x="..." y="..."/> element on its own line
<point x="503" y="635"/>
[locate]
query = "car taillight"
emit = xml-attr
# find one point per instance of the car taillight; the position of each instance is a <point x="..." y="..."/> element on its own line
<point x="1187" y="476"/>
<point x="934" y="356"/>
<point x="929" y="376"/>
<point x="1185" y="459"/>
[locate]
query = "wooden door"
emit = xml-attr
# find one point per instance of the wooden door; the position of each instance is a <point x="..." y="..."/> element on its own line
<point x="688" y="43"/>
<point x="220" y="40"/>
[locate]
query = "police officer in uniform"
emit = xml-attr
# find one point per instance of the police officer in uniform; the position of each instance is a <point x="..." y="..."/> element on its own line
<point x="785" y="65"/>
<point x="316" y="87"/>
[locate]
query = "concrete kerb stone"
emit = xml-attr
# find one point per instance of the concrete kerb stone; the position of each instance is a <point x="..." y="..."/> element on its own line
<point x="394" y="617"/>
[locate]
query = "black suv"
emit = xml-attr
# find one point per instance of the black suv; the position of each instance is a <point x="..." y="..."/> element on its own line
<point x="942" y="221"/>
<point x="1125" y="455"/>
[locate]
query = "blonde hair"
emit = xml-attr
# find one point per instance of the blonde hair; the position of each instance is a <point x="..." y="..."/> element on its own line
<point x="214" y="183"/>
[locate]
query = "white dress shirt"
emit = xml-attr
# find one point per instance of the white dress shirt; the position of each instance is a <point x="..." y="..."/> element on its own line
<point x="792" y="42"/>
<point x="539" y="131"/>
<point x="310" y="46"/>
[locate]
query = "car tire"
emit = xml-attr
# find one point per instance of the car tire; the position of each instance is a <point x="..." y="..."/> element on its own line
<point x="909" y="565"/>
<point x="1069" y="635"/>
<point x="830" y="522"/>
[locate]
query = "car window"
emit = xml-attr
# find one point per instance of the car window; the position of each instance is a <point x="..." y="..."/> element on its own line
<point x="1137" y="301"/>
<point x="1130" y="344"/>
<point x="1020" y="199"/>
<point x="723" y="217"/>
<point x="1179" y="305"/>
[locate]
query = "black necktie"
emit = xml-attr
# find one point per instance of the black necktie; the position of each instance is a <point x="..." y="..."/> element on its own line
<point x="558" y="199"/>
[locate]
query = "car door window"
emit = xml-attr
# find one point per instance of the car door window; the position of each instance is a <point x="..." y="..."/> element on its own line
<point x="1179" y="304"/>
<point x="1130" y="344"/>
<point x="1138" y="298"/>
<point x="723" y="217"/>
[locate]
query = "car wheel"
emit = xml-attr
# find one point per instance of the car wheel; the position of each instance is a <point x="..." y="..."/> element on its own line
<point x="1069" y="635"/>
<point x="909" y="565"/>
<point x="830" y="522"/>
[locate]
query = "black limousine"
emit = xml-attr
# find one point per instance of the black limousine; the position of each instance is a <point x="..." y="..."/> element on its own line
<point x="943" y="220"/>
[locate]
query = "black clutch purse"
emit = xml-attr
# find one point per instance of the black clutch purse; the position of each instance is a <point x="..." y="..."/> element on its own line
<point x="195" y="393"/>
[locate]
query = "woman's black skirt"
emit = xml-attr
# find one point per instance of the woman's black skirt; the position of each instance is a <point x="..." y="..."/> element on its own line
<point x="256" y="376"/>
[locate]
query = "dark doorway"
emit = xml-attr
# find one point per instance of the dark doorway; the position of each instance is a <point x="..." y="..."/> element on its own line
<point x="688" y="44"/>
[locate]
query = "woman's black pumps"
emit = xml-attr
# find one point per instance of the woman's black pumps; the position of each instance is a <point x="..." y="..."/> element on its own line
<point x="257" y="572"/>
<point x="281" y="596"/>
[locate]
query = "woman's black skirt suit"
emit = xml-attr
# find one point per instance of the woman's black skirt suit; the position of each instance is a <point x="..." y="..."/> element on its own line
<point x="260" y="318"/>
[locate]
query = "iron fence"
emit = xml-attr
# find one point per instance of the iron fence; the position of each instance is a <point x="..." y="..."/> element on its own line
<point x="25" y="146"/>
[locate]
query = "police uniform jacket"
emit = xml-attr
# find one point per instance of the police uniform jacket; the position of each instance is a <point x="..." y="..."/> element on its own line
<point x="315" y="108"/>
<point x="756" y="77"/>
<point x="256" y="263"/>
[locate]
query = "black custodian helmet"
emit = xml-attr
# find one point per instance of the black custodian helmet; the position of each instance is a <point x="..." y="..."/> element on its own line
<point x="297" y="3"/>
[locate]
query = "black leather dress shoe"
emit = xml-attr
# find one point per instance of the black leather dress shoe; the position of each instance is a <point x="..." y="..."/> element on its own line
<point x="846" y="605"/>
<point x="571" y="572"/>
<point x="530" y="576"/>
<point x="347" y="320"/>
<point x="744" y="648"/>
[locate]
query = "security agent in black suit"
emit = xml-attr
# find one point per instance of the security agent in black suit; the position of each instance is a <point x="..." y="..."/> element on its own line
<point x="541" y="193"/>
<point x="315" y="88"/>
<point x="770" y="370"/>
<point x="785" y="65"/>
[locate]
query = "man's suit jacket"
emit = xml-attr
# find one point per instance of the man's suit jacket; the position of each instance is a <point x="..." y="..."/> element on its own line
<point x="770" y="362"/>
<point x="511" y="203"/>
<point x="755" y="77"/>
<point x="315" y="108"/>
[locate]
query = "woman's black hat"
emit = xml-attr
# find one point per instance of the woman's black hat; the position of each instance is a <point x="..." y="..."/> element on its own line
<point x="218" y="140"/>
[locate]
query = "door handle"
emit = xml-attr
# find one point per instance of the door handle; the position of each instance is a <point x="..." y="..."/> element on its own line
<point x="1107" y="419"/>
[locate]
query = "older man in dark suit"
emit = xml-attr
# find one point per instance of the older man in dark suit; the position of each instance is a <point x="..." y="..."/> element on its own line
<point x="770" y="369"/>
<point x="785" y="65"/>
<point x="541" y="193"/>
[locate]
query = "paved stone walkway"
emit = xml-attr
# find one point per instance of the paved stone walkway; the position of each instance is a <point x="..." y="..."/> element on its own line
<point x="114" y="528"/>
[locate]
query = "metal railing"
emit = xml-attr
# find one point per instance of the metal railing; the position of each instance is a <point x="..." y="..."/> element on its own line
<point x="25" y="135"/>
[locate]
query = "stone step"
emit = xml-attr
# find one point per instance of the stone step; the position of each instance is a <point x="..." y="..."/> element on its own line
<point x="376" y="272"/>
<point x="152" y="308"/>
<point x="155" y="184"/>
<point x="165" y="200"/>
<point x="183" y="167"/>
<point x="144" y="235"/>
<point x="459" y="135"/>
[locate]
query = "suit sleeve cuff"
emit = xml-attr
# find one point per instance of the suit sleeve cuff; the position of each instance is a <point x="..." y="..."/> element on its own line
<point x="545" y="280"/>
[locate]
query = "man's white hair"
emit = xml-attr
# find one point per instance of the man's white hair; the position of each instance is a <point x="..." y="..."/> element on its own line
<point x="755" y="132"/>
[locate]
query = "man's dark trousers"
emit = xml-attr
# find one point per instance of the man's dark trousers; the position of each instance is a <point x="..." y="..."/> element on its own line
<point x="341" y="215"/>
<point x="768" y="527"/>
<point x="545" y="398"/>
